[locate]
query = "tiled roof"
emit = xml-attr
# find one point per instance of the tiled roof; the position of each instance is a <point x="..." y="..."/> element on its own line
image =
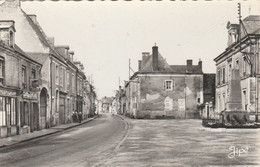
<point x="252" y="25"/>
<point x="164" y="67"/>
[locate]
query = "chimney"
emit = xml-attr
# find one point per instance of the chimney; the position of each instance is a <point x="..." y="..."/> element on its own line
<point x="33" y="17"/>
<point x="71" y="53"/>
<point x="200" y="64"/>
<point x="145" y="56"/>
<point x="155" y="58"/>
<point x="7" y="33"/>
<point x="139" y="65"/>
<point x="11" y="4"/>
<point x="189" y="65"/>
<point x="232" y="33"/>
<point x="51" y="41"/>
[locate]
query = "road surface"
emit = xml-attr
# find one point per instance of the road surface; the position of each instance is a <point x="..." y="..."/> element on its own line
<point x="86" y="145"/>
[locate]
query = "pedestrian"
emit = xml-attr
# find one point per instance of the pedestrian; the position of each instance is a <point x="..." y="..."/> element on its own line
<point x="74" y="119"/>
<point x="80" y="117"/>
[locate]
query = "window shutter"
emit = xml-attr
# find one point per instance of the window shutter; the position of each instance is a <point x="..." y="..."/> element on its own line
<point x="164" y="85"/>
<point x="173" y="85"/>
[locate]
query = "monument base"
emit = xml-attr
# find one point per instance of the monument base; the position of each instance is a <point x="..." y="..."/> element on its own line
<point x="235" y="117"/>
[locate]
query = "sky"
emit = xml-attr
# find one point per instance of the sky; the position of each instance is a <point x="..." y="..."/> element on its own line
<point x="104" y="35"/>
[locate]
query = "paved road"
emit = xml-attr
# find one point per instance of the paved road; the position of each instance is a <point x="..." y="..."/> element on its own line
<point x="181" y="143"/>
<point x="107" y="142"/>
<point x="86" y="145"/>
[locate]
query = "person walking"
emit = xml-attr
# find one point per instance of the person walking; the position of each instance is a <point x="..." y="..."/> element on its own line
<point x="80" y="117"/>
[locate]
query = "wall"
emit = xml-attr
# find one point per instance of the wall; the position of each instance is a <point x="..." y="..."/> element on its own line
<point x="181" y="102"/>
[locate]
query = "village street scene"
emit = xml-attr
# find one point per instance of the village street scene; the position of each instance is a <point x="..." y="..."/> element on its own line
<point x="122" y="84"/>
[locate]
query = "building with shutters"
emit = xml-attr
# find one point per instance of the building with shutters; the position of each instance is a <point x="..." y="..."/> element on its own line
<point x="160" y="90"/>
<point x="237" y="72"/>
<point x="61" y="78"/>
<point x="19" y="85"/>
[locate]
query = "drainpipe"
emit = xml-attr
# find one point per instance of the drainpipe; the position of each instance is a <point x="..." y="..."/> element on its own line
<point x="51" y="89"/>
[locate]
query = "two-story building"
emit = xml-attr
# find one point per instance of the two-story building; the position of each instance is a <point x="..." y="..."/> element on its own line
<point x="61" y="80"/>
<point x="19" y="85"/>
<point x="237" y="70"/>
<point x="160" y="90"/>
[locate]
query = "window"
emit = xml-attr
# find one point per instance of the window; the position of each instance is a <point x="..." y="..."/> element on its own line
<point x="7" y="111"/>
<point x="73" y="83"/>
<point x="244" y="66"/>
<point x="68" y="79"/>
<point x="24" y="76"/>
<point x="224" y="75"/>
<point x="198" y="100"/>
<point x="33" y="74"/>
<point x="1" y="70"/>
<point x="237" y="64"/>
<point x="224" y="101"/>
<point x="57" y="74"/>
<point x="2" y="112"/>
<point x="218" y="77"/>
<point x="168" y="85"/>
<point x="229" y="69"/>
<point x="245" y="99"/>
<point x="61" y="76"/>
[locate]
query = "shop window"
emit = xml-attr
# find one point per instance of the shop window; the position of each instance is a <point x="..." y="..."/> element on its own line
<point x="7" y="111"/>
<point x="2" y="112"/>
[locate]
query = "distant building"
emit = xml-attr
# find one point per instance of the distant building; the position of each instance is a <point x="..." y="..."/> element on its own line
<point x="241" y="58"/>
<point x="160" y="90"/>
<point x="19" y="85"/>
<point x="107" y="104"/>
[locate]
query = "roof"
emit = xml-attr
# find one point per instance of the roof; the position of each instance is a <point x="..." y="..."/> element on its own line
<point x="250" y="27"/>
<point x="17" y="49"/>
<point x="39" y="57"/>
<point x="43" y="38"/>
<point x="164" y="67"/>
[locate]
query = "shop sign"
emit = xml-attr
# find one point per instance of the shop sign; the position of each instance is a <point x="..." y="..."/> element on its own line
<point x="30" y="95"/>
<point x="7" y="93"/>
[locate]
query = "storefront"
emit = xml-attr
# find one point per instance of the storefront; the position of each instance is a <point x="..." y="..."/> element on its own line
<point x="8" y="113"/>
<point x="29" y="112"/>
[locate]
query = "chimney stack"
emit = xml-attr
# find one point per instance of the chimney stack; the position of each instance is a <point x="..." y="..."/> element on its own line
<point x="155" y="58"/>
<point x="71" y="53"/>
<point x="189" y="65"/>
<point x="33" y="17"/>
<point x="200" y="64"/>
<point x="139" y="65"/>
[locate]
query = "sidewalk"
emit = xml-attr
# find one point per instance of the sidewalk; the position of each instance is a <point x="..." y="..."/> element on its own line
<point x="8" y="141"/>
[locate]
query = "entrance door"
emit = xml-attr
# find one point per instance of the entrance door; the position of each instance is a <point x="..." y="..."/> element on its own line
<point x="62" y="111"/>
<point x="34" y="117"/>
<point x="43" y="108"/>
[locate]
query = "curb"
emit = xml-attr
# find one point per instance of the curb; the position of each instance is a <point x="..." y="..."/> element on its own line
<point x="51" y="133"/>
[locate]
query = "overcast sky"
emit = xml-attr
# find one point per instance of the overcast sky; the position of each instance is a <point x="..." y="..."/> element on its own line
<point x="104" y="35"/>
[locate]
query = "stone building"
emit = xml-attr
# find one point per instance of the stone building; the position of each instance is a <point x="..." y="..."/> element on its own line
<point x="19" y="86"/>
<point x="61" y="78"/>
<point x="237" y="71"/>
<point x="160" y="90"/>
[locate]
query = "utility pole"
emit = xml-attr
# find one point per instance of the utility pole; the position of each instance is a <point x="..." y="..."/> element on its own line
<point x="129" y="66"/>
